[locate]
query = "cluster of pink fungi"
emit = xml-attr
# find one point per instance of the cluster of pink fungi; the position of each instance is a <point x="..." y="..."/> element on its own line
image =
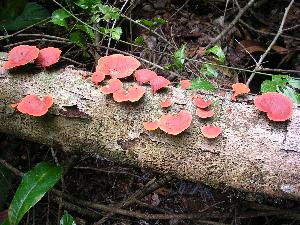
<point x="117" y="66"/>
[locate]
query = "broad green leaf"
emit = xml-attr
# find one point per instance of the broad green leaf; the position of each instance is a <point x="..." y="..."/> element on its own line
<point x="180" y="57"/>
<point x="5" y="222"/>
<point x="33" y="187"/>
<point x="139" y="40"/>
<point x="280" y="80"/>
<point x="208" y="70"/>
<point x="147" y="23"/>
<point x="292" y="94"/>
<point x="32" y="13"/>
<point x="87" y="4"/>
<point x="78" y="39"/>
<point x="87" y="30"/>
<point x="10" y="9"/>
<point x="110" y="13"/>
<point x="160" y="21"/>
<point x="295" y="83"/>
<point x="268" y="86"/>
<point x="202" y="84"/>
<point x="217" y="51"/>
<point x="67" y="219"/>
<point x="59" y="17"/>
<point x="116" y="33"/>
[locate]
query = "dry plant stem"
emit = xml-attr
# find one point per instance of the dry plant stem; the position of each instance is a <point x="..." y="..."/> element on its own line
<point x="228" y="28"/>
<point x="266" y="33"/>
<point x="151" y="186"/>
<point x="263" y="56"/>
<point x="279" y="70"/>
<point x="113" y="26"/>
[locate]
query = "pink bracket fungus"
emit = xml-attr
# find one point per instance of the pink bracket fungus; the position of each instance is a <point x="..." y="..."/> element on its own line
<point x="21" y="55"/>
<point x="204" y="113"/>
<point x="277" y="106"/>
<point x="185" y="84"/>
<point x="200" y="102"/>
<point x="33" y="105"/>
<point x="175" y="124"/>
<point x="48" y="56"/>
<point x="239" y="89"/>
<point x="165" y="104"/>
<point x="158" y="83"/>
<point x="97" y="78"/>
<point x="151" y="125"/>
<point x="143" y="76"/>
<point x="211" y="131"/>
<point x="134" y="94"/>
<point x="113" y="85"/>
<point x="117" y="65"/>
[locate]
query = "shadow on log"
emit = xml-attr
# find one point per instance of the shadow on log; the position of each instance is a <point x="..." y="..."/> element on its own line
<point x="252" y="154"/>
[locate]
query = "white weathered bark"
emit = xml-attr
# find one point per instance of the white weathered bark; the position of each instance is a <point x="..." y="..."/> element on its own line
<point x="252" y="154"/>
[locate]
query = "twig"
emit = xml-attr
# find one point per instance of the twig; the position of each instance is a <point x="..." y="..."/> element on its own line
<point x="148" y="188"/>
<point x="263" y="56"/>
<point x="228" y="28"/>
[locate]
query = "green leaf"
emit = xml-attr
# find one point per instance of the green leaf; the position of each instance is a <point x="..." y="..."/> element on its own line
<point x="67" y="219"/>
<point x="110" y="13"/>
<point x="202" y="84"/>
<point x="291" y="93"/>
<point x="10" y="9"/>
<point x="87" y="4"/>
<point x="33" y="187"/>
<point x="59" y="17"/>
<point x="295" y="83"/>
<point x="5" y="222"/>
<point x="6" y="178"/>
<point x="147" y="23"/>
<point x="160" y="21"/>
<point x="78" y="39"/>
<point x="139" y="40"/>
<point x="217" y="51"/>
<point x="32" y="13"/>
<point x="268" y="86"/>
<point x="87" y="30"/>
<point x="208" y="70"/>
<point x="116" y="33"/>
<point x="180" y="57"/>
<point x="280" y="80"/>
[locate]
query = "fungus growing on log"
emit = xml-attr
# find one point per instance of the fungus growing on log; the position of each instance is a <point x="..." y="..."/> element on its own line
<point x="33" y="105"/>
<point x="120" y="95"/>
<point x="175" y="124"/>
<point x="21" y="55"/>
<point x="143" y="76"/>
<point x="200" y="102"/>
<point x="211" y="131"/>
<point x="185" y="84"/>
<point x="239" y="89"/>
<point x="48" y="56"/>
<point x="97" y="78"/>
<point x="151" y="125"/>
<point x="158" y="83"/>
<point x="277" y="106"/>
<point x="165" y="104"/>
<point x="113" y="85"/>
<point x="117" y="65"/>
<point x="204" y="113"/>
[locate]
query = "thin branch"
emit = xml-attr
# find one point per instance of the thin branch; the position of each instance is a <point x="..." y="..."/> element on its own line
<point x="228" y="28"/>
<point x="263" y="56"/>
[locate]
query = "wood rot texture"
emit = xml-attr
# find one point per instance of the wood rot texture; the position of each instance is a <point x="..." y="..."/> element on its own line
<point x="252" y="154"/>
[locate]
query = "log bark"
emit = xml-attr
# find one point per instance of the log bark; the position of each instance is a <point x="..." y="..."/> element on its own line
<point x="252" y="154"/>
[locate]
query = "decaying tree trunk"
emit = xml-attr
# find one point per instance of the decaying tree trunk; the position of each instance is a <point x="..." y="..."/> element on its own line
<point x="252" y="154"/>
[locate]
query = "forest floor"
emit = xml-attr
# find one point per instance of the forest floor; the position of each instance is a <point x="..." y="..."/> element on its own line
<point x="147" y="197"/>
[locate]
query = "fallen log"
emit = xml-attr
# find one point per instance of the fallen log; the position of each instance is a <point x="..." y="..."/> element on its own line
<point x="252" y="154"/>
